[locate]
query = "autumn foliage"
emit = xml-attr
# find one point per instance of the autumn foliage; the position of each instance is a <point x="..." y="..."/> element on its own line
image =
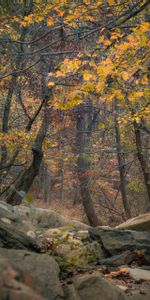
<point x="75" y="104"/>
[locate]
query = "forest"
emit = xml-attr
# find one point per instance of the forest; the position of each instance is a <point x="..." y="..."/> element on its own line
<point x="74" y="102"/>
<point x="74" y="150"/>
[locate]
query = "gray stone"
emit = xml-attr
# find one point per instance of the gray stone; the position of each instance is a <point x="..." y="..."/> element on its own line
<point x="115" y="241"/>
<point x="138" y="274"/>
<point x="49" y="219"/>
<point x="140" y="223"/>
<point x="31" y="216"/>
<point x="39" y="270"/>
<point x="12" y="237"/>
<point x="94" y="287"/>
<point x="6" y="211"/>
<point x="71" y="293"/>
<point x="122" y="287"/>
<point x="143" y="295"/>
<point x="117" y="260"/>
<point x="11" y="288"/>
<point x="5" y="220"/>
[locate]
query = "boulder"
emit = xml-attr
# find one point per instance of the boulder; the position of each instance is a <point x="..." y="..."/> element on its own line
<point x="12" y="237"/>
<point x="143" y="295"/>
<point x="6" y="211"/>
<point x="94" y="287"/>
<point x="116" y="241"/>
<point x="11" y="288"/>
<point x="49" y="219"/>
<point x="35" y="275"/>
<point x="140" y="223"/>
<point x="138" y="274"/>
<point x="38" y="271"/>
<point x="30" y="217"/>
<point x="124" y="258"/>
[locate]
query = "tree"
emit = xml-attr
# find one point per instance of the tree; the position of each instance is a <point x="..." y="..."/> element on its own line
<point x="97" y="51"/>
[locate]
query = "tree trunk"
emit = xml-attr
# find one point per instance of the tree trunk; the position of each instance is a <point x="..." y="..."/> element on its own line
<point x="83" y="167"/>
<point x="26" y="179"/>
<point x="139" y="151"/>
<point x="121" y="166"/>
<point x="62" y="194"/>
<point x="7" y="107"/>
<point x="141" y="158"/>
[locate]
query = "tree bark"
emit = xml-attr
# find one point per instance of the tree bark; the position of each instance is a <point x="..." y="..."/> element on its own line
<point x="139" y="151"/>
<point x="83" y="168"/>
<point x="142" y="160"/>
<point x="121" y="166"/>
<point x="6" y="113"/>
<point x="26" y="179"/>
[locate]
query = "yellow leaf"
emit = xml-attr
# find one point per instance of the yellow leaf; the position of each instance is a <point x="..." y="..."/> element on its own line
<point x="61" y="13"/>
<point x="70" y="17"/>
<point x="143" y="40"/>
<point x="39" y="19"/>
<point x="101" y="39"/>
<point x="107" y="43"/>
<point x="51" y="83"/>
<point x="144" y="80"/>
<point x="29" y="198"/>
<point x="111" y="2"/>
<point x="50" y="22"/>
<point x="90" y="18"/>
<point x="125" y="75"/>
<point x="58" y="73"/>
<point x="101" y="125"/>
<point x="138" y="94"/>
<point x="145" y="26"/>
<point x="92" y="64"/>
<point x="87" y="76"/>
<point x="50" y="74"/>
<point x="66" y="61"/>
<point x="135" y="96"/>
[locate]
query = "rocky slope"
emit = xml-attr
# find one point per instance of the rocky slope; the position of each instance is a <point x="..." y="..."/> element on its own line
<point x="45" y="256"/>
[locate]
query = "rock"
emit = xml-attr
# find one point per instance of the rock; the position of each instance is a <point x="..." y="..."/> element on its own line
<point x="116" y="241"/>
<point x="140" y="223"/>
<point x="6" y="211"/>
<point x="145" y="267"/>
<point x="30" y="217"/>
<point x="122" y="287"/>
<point x="12" y="237"/>
<point x="39" y="271"/>
<point x="143" y="295"/>
<point x="94" y="287"/>
<point x="31" y="234"/>
<point x="124" y="258"/>
<point x="6" y="220"/>
<point x="49" y="219"/>
<point x="11" y="288"/>
<point x="138" y="274"/>
<point x="71" y="293"/>
<point x="35" y="275"/>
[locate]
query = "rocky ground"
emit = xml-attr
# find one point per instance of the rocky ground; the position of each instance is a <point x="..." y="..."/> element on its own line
<point x="45" y="256"/>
